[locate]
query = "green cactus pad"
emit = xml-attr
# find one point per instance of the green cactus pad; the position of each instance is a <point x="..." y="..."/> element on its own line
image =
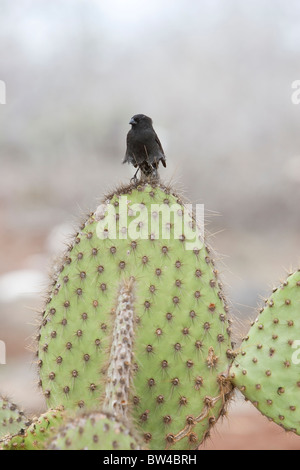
<point x="267" y="368"/>
<point x="12" y="420"/>
<point x="181" y="332"/>
<point x="37" y="434"/>
<point x="95" y="431"/>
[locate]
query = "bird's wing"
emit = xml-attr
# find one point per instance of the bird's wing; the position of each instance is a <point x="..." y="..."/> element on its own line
<point x="127" y="156"/>
<point x="163" y="160"/>
<point x="158" y="142"/>
<point x="125" y="159"/>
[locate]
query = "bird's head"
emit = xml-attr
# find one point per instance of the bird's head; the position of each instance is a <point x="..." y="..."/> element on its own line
<point x="140" y="120"/>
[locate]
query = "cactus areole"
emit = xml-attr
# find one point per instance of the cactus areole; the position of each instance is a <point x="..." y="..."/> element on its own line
<point x="136" y="321"/>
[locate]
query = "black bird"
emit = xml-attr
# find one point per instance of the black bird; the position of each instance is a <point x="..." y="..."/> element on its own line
<point x="144" y="150"/>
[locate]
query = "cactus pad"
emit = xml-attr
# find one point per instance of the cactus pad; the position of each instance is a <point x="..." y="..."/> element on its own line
<point x="12" y="420"/>
<point x="95" y="431"/>
<point x="267" y="368"/>
<point x="37" y="434"/>
<point x="179" y="328"/>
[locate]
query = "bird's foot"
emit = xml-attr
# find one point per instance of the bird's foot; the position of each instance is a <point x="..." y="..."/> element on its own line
<point x="134" y="179"/>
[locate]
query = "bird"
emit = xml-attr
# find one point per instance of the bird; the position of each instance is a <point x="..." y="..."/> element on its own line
<point x="144" y="150"/>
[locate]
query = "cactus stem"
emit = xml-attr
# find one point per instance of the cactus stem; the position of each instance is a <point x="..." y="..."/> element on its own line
<point x="119" y="373"/>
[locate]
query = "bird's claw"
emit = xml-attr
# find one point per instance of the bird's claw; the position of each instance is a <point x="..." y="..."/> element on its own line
<point x="134" y="179"/>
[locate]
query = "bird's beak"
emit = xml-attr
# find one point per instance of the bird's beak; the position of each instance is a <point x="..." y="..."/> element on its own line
<point x="132" y="121"/>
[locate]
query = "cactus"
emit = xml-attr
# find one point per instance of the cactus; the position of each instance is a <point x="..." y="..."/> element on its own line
<point x="12" y="420"/>
<point x="266" y="369"/>
<point x="134" y="342"/>
<point x="177" y="321"/>
<point x="37" y="434"/>
<point x="95" y="431"/>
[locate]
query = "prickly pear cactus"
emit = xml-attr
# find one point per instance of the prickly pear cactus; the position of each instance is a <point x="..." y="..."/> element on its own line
<point x="12" y="420"/>
<point x="37" y="434"/>
<point x="266" y="369"/>
<point x="174" y="373"/>
<point x="95" y="431"/>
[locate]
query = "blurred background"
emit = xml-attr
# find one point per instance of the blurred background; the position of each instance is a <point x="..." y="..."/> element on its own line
<point x="216" y="78"/>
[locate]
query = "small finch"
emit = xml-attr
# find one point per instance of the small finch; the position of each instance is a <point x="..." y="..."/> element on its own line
<point x="144" y="150"/>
